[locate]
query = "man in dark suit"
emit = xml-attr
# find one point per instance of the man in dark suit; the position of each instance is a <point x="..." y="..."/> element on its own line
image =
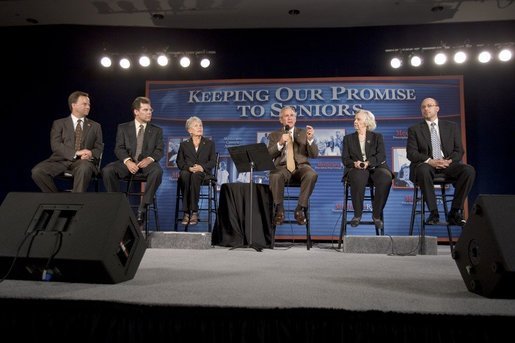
<point x="302" y="143"/>
<point x="196" y="159"/>
<point x="78" y="151"/>
<point x="134" y="159"/>
<point x="443" y="158"/>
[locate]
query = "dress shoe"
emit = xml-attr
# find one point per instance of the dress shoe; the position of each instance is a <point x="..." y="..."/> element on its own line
<point x="194" y="218"/>
<point x="279" y="218"/>
<point x="355" y="221"/>
<point x="300" y="217"/>
<point x="455" y="218"/>
<point x="185" y="219"/>
<point x="140" y="217"/>
<point x="378" y="223"/>
<point x="433" y="218"/>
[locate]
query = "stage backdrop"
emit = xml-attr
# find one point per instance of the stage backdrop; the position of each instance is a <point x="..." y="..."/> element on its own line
<point x="239" y="112"/>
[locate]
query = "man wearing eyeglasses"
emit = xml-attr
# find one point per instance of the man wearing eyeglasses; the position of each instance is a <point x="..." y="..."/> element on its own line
<point x="434" y="147"/>
<point x="139" y="147"/>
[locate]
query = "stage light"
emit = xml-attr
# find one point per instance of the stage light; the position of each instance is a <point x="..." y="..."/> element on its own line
<point x="484" y="56"/>
<point x="144" y="61"/>
<point x="125" y="63"/>
<point x="505" y="55"/>
<point x="396" y="63"/>
<point x="106" y="62"/>
<point x="442" y="53"/>
<point x="440" y="58"/>
<point x="460" y="57"/>
<point x="162" y="60"/>
<point x="205" y="62"/>
<point x="185" y="61"/>
<point x="415" y="61"/>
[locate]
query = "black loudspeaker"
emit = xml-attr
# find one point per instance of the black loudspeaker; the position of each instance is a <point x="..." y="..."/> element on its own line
<point x="485" y="251"/>
<point x="69" y="237"/>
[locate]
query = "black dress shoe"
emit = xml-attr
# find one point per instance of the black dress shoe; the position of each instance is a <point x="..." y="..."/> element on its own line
<point x="279" y="218"/>
<point x="140" y="216"/>
<point x="300" y="217"/>
<point x="455" y="218"/>
<point x="355" y="221"/>
<point x="433" y="218"/>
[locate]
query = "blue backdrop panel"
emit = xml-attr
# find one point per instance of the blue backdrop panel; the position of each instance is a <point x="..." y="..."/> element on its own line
<point x="238" y="112"/>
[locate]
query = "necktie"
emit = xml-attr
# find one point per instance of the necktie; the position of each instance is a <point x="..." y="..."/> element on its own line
<point x="290" y="161"/>
<point x="435" y="143"/>
<point x="139" y="142"/>
<point x="78" y="135"/>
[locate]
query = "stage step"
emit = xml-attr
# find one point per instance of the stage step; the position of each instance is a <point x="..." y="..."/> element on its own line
<point x="396" y="245"/>
<point x="179" y="240"/>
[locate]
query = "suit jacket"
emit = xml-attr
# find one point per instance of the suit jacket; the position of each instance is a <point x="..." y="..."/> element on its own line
<point x="301" y="149"/>
<point x="418" y="148"/>
<point x="126" y="142"/>
<point x="62" y="139"/>
<point x="374" y="150"/>
<point x="205" y="156"/>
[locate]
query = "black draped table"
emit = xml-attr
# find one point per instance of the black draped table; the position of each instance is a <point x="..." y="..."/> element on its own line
<point x="232" y="227"/>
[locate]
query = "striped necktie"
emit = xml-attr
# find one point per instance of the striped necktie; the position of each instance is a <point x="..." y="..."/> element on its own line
<point x="435" y="143"/>
<point x="139" y="142"/>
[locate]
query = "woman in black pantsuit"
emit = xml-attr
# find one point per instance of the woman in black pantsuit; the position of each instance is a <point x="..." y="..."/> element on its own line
<point x="195" y="159"/>
<point x="364" y="158"/>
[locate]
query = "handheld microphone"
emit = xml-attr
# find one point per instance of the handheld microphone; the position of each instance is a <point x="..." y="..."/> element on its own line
<point x="286" y="128"/>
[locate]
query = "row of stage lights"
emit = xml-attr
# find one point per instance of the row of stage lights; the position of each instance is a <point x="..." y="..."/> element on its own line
<point x="441" y="56"/>
<point x="185" y="60"/>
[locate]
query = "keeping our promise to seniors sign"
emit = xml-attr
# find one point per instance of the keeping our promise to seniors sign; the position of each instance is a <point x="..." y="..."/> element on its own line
<point x="239" y="112"/>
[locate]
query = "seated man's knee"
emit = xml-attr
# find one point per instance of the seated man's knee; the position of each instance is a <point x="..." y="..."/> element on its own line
<point x="469" y="170"/>
<point x="423" y="170"/>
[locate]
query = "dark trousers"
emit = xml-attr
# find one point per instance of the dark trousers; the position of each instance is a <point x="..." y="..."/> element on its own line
<point x="463" y="173"/>
<point x="381" y="179"/>
<point x="114" y="171"/>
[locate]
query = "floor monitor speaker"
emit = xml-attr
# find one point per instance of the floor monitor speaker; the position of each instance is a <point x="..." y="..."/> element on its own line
<point x="69" y="237"/>
<point x="485" y="251"/>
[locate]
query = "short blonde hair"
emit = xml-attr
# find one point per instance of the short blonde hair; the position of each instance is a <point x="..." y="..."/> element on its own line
<point x="370" y="119"/>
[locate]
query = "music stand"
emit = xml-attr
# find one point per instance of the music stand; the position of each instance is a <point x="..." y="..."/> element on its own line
<point x="250" y="158"/>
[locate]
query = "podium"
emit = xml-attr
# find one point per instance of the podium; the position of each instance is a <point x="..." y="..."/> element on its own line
<point x="250" y="158"/>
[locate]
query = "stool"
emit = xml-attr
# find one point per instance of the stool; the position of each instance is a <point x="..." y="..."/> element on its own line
<point x="345" y="210"/>
<point x="439" y="180"/>
<point x="138" y="180"/>
<point x="207" y="192"/>
<point x="289" y="212"/>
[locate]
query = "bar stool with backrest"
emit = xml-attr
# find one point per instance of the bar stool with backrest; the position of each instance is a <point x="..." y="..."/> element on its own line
<point x="208" y="199"/>
<point x="347" y="199"/>
<point x="135" y="190"/>
<point x="291" y="197"/>
<point x="419" y="206"/>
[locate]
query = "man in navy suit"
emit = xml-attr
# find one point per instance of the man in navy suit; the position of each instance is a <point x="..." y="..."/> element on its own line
<point x="426" y="162"/>
<point x="133" y="161"/>
<point x="77" y="154"/>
